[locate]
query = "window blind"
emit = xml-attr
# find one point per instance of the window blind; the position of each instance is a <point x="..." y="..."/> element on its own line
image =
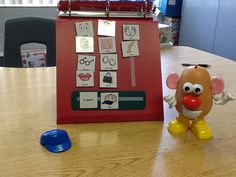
<point x="28" y="2"/>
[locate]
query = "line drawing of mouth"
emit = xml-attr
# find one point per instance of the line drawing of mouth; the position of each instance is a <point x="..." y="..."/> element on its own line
<point x="190" y="114"/>
<point x="85" y="77"/>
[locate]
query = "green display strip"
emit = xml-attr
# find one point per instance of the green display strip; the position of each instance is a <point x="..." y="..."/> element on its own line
<point x="127" y="100"/>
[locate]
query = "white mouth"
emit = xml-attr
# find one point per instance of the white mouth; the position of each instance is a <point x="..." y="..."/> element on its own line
<point x="191" y="114"/>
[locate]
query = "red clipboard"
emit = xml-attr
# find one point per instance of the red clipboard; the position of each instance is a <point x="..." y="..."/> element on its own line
<point x="146" y="68"/>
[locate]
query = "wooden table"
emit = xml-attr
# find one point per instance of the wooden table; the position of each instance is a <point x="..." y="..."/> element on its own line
<point x="133" y="149"/>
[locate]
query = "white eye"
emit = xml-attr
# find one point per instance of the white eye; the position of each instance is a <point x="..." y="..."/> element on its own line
<point x="197" y="89"/>
<point x="188" y="87"/>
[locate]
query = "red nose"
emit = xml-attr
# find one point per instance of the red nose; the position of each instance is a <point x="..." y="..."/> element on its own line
<point x="191" y="102"/>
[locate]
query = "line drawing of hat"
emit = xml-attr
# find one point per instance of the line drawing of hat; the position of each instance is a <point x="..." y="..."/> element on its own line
<point x="109" y="99"/>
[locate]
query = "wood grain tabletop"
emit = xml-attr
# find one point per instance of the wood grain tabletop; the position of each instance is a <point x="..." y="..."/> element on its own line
<point x="125" y="149"/>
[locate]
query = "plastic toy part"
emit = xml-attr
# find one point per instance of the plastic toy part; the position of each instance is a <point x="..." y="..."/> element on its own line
<point x="218" y="85"/>
<point x="182" y="124"/>
<point x="172" y="80"/>
<point x="55" y="140"/>
<point x="191" y="102"/>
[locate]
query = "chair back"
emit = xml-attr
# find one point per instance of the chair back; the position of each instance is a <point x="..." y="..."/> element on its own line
<point x="28" y="30"/>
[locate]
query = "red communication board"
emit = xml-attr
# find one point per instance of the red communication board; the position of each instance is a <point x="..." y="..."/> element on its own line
<point x="140" y="75"/>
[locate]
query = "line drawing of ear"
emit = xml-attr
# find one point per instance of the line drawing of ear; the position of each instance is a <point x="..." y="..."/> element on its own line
<point x="84" y="43"/>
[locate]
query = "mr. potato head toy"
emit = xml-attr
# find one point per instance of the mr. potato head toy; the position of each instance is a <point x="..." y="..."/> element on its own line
<point x="195" y="92"/>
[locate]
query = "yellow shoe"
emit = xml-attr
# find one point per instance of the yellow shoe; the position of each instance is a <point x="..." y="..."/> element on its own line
<point x="179" y="125"/>
<point x="201" y="129"/>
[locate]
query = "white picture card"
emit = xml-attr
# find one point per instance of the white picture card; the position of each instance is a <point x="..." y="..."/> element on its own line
<point x="108" y="62"/>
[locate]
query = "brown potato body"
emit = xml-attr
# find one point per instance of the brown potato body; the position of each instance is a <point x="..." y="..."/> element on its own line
<point x="195" y="75"/>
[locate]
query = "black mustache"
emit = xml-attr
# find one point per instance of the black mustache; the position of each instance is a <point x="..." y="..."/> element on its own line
<point x="202" y="65"/>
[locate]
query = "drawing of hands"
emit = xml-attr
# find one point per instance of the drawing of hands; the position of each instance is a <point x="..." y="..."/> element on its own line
<point x="127" y="31"/>
<point x="133" y="31"/>
<point x="130" y="31"/>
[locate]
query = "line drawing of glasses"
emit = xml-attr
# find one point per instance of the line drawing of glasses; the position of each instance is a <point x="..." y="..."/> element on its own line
<point x="85" y="61"/>
<point x="84" y="27"/>
<point x="130" y="31"/>
<point x="107" y="60"/>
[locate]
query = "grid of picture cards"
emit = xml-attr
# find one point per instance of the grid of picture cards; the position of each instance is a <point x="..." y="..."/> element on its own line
<point x="108" y="60"/>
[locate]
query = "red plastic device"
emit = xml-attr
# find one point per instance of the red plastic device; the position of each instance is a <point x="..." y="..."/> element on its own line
<point x="147" y="72"/>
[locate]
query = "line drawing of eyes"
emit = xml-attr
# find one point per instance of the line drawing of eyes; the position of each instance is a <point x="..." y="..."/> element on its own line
<point x="83" y="27"/>
<point x="111" y="61"/>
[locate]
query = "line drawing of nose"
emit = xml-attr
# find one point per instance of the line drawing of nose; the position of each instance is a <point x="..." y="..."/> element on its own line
<point x="191" y="102"/>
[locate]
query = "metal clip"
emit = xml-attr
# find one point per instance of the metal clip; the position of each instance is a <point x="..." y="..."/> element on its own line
<point x="107" y="8"/>
<point x="145" y="8"/>
<point x="69" y="8"/>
